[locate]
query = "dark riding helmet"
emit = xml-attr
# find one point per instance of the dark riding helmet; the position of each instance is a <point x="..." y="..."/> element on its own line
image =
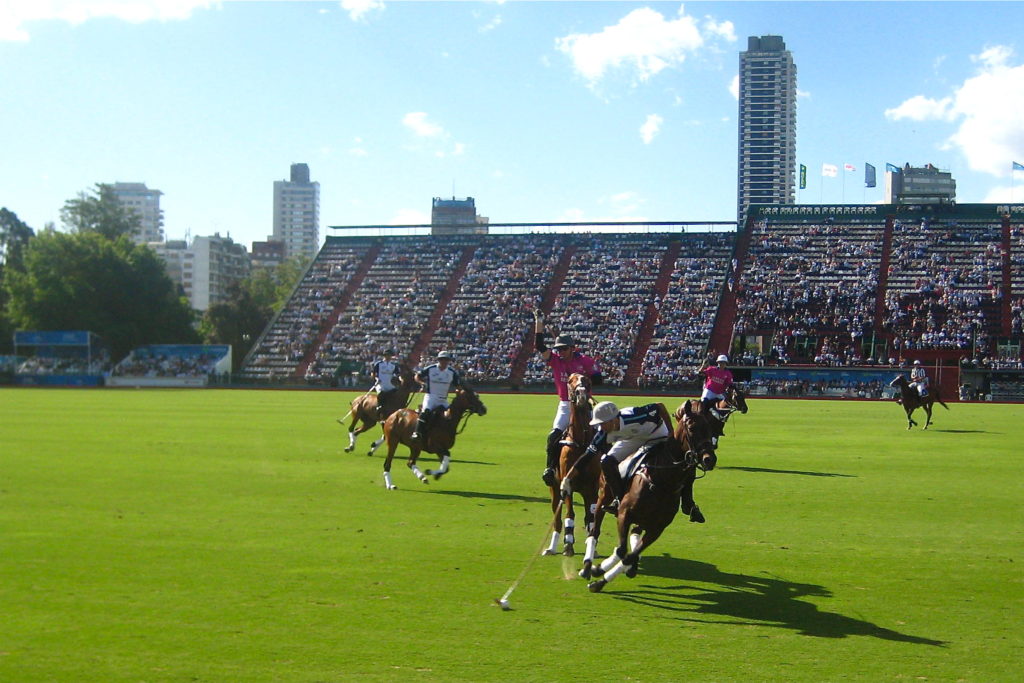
<point x="562" y="341"/>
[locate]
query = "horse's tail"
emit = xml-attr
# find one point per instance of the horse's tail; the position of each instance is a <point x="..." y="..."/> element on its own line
<point x="940" y="401"/>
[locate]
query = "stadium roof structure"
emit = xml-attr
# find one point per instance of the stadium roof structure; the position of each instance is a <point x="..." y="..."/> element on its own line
<point x="555" y="227"/>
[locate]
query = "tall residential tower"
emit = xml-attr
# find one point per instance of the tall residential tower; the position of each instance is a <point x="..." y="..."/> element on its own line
<point x="146" y="203"/>
<point x="767" y="128"/>
<point x="297" y="213"/>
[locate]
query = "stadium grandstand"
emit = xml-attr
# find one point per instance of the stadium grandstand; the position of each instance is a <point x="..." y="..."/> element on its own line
<point x="172" y="365"/>
<point x="807" y="299"/>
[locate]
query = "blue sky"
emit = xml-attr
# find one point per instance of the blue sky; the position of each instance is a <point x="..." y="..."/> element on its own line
<point x="542" y="111"/>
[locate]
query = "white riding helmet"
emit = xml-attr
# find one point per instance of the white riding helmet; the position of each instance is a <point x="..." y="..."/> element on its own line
<point x="604" y="411"/>
<point x="446" y="354"/>
<point x="917" y="362"/>
<point x="722" y="358"/>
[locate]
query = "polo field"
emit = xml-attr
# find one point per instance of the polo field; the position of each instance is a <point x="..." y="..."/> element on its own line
<point x="225" y="535"/>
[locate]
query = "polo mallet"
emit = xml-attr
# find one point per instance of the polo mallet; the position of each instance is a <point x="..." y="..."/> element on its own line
<point x="503" y="600"/>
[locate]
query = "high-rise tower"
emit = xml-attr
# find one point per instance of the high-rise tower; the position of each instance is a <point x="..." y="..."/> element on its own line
<point x="297" y="213"/>
<point x="767" y="124"/>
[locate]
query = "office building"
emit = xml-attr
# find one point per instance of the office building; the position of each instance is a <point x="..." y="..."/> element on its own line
<point x="204" y="269"/>
<point x="146" y="203"/>
<point x="767" y="124"/>
<point x="456" y="217"/>
<point x="925" y="185"/>
<point x="297" y="213"/>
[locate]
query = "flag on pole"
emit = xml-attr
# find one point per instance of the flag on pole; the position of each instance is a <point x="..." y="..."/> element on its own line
<point x="1018" y="167"/>
<point x="849" y="167"/>
<point x="829" y="170"/>
<point x="869" y="175"/>
<point x="890" y="167"/>
<point x="803" y="177"/>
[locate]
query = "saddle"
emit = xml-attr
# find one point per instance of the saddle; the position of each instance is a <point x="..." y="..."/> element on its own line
<point x="633" y="464"/>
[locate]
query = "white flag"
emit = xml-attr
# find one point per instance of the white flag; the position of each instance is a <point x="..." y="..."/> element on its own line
<point x="849" y="167"/>
<point x="829" y="170"/>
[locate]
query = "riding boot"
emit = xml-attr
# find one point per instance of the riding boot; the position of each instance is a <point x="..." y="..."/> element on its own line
<point x="554" y="449"/>
<point x="421" y="426"/>
<point x="613" y="480"/>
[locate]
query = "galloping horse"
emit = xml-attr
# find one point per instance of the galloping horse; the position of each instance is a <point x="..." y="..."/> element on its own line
<point x="584" y="479"/>
<point x="364" y="408"/>
<point x="440" y="436"/>
<point x="735" y="401"/>
<point x="912" y="400"/>
<point x="652" y="500"/>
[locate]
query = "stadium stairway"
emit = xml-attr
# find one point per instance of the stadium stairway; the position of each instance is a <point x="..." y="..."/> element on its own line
<point x="883" y="274"/>
<point x="442" y="304"/>
<point x="725" y="320"/>
<point x="1006" y="312"/>
<point x="646" y="332"/>
<point x="547" y="303"/>
<point x="339" y="307"/>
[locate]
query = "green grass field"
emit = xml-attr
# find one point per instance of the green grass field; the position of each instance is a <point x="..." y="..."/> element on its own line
<point x="223" y="535"/>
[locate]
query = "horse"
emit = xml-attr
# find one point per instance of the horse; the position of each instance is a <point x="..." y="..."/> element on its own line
<point x="584" y="479"/>
<point x="735" y="401"/>
<point x="440" y="433"/>
<point x="653" y="495"/>
<point x="364" y="409"/>
<point x="912" y="400"/>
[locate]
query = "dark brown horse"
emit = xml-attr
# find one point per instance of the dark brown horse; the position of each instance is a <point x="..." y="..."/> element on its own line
<point x="652" y="499"/>
<point x="584" y="479"/>
<point x="440" y="434"/>
<point x="735" y="401"/>
<point x="912" y="400"/>
<point x="365" y="408"/>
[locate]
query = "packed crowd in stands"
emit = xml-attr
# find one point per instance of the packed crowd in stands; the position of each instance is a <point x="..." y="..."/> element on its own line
<point x="812" y="389"/>
<point x="286" y="342"/>
<point x="944" y="284"/>
<point x="603" y="300"/>
<point x="65" y="365"/>
<point x="810" y="280"/>
<point x="392" y="305"/>
<point x="491" y="315"/>
<point x="686" y="316"/>
<point x="145" y="363"/>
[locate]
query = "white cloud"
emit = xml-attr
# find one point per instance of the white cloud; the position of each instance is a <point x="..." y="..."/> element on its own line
<point x="987" y="106"/>
<point x="734" y="87"/>
<point x="650" y="128"/>
<point x="920" y="108"/>
<point x="643" y="43"/>
<point x="358" y="9"/>
<point x="14" y="16"/>
<point x="491" y="25"/>
<point x="417" y="122"/>
<point x="409" y="217"/>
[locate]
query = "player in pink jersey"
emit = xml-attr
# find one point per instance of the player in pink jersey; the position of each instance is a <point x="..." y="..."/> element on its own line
<point x="717" y="380"/>
<point x="564" y="360"/>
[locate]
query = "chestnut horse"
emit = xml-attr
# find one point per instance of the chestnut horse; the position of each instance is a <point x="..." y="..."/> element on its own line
<point x="585" y="479"/>
<point x="652" y="499"/>
<point x="364" y="409"/>
<point x="912" y="400"/>
<point x="440" y="433"/>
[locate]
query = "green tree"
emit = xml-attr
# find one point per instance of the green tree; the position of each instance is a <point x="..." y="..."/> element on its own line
<point x="84" y="281"/>
<point x="14" y="237"/>
<point x="101" y="212"/>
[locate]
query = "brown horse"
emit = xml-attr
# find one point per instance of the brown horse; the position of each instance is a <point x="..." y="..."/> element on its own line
<point x="365" y="408"/>
<point x="912" y="400"/>
<point x="735" y="401"/>
<point x="652" y="499"/>
<point x="584" y="479"/>
<point x="440" y="433"/>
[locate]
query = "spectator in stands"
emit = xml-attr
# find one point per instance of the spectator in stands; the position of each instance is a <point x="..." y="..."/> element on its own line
<point x="564" y="360"/>
<point x="436" y="380"/>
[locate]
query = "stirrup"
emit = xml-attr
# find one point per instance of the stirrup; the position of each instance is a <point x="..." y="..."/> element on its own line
<point x="612" y="507"/>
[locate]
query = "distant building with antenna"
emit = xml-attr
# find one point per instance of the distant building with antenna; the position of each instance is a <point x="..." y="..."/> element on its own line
<point x="918" y="186"/>
<point x="457" y="217"/>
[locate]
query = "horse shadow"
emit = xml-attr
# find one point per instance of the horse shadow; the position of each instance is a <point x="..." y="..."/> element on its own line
<point x="714" y="596"/>
<point x="961" y="431"/>
<point x="773" y="471"/>
<point x="485" y="495"/>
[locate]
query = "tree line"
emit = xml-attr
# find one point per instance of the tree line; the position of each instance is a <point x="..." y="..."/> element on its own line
<point x="92" y="276"/>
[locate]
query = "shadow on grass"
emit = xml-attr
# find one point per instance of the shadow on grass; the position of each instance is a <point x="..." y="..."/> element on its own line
<point x="485" y="495"/>
<point x="744" y="600"/>
<point x="962" y="431"/>
<point x="771" y="471"/>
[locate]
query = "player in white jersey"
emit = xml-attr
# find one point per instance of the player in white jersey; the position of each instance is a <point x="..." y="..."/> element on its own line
<point x="436" y="380"/>
<point x="385" y="372"/>
<point x="919" y="379"/>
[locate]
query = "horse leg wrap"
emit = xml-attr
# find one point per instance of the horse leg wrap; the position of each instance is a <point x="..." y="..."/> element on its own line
<point x="351" y="440"/>
<point x="634" y="541"/>
<point x="551" y="549"/>
<point x="570" y="537"/>
<point x="416" y="470"/>
<point x="444" y="464"/>
<point x="591" y="549"/>
<point x="611" y="560"/>
<point x="375" y="445"/>
<point x="387" y="481"/>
